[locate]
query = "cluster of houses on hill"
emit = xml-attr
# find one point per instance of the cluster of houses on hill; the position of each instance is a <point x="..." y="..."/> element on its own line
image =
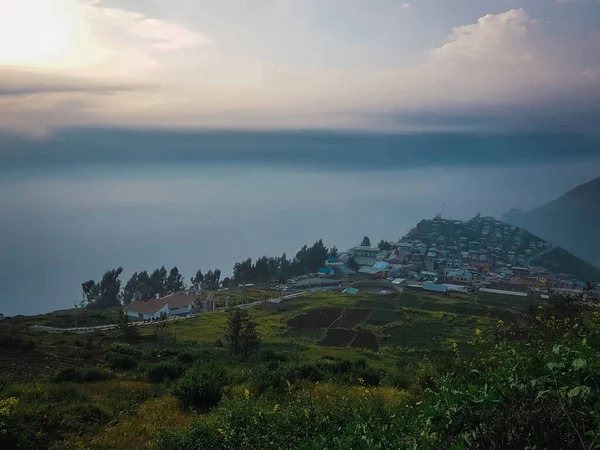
<point x="449" y="255"/>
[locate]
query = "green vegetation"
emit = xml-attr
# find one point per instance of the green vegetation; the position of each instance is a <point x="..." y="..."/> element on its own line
<point x="558" y="260"/>
<point x="449" y="371"/>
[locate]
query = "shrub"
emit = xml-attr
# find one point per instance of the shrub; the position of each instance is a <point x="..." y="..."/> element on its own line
<point x="16" y="343"/>
<point x="93" y="374"/>
<point x="201" y="387"/>
<point x="271" y="355"/>
<point x="88" y="375"/>
<point x="121" y="362"/>
<point x="185" y="358"/>
<point x="160" y="372"/>
<point x="68" y="376"/>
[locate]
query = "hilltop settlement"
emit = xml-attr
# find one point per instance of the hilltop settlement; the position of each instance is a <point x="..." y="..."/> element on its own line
<point x="439" y="255"/>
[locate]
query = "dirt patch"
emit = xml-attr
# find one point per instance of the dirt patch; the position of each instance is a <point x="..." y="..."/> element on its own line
<point x="365" y="339"/>
<point x="337" y="338"/>
<point x="352" y="318"/>
<point x="316" y="319"/>
<point x="23" y="365"/>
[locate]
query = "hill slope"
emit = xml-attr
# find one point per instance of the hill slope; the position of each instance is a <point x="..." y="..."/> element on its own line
<point x="570" y="221"/>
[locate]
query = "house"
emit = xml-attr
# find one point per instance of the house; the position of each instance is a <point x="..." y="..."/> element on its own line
<point x="344" y="270"/>
<point x="429" y="286"/>
<point x="364" y="252"/>
<point x="331" y="261"/>
<point x="176" y="304"/>
<point x="397" y="257"/>
<point x="351" y="291"/>
<point x="325" y="271"/>
<point x="151" y="309"/>
<point x="459" y="276"/>
<point x="181" y="303"/>
<point x="373" y="272"/>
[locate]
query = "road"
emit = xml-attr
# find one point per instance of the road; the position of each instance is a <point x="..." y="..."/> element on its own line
<point x="84" y="330"/>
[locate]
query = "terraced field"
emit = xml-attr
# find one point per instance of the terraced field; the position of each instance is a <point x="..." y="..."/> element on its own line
<point x="409" y="321"/>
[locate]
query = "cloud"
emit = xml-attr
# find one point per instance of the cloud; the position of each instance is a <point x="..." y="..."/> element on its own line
<point x="84" y="36"/>
<point x="507" y="66"/>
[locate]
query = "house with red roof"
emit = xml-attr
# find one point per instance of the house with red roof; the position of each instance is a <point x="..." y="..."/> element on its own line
<point x="175" y="304"/>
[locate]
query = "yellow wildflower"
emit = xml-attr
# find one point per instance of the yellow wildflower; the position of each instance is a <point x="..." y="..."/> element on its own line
<point x="477" y="331"/>
<point x="500" y="322"/>
<point x="276" y="407"/>
<point x="221" y="432"/>
<point x="246" y="393"/>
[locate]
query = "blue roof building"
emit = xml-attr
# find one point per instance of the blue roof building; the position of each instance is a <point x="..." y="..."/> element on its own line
<point x="326" y="271"/>
<point x="381" y="265"/>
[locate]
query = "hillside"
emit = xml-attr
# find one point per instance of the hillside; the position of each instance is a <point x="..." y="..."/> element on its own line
<point x="559" y="260"/>
<point x="570" y="221"/>
<point x="408" y="370"/>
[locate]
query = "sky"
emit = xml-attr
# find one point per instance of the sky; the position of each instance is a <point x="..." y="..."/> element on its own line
<point x="376" y="65"/>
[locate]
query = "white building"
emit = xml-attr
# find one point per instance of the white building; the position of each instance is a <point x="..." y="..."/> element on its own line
<point x="176" y="304"/>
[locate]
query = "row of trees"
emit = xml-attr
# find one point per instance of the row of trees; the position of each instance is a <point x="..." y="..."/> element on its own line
<point x="265" y="269"/>
<point x="143" y="285"/>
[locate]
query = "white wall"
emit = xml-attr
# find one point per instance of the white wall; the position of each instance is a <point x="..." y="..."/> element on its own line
<point x="180" y="310"/>
<point x="499" y="291"/>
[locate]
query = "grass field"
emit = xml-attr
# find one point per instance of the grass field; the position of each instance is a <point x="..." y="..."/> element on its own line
<point x="112" y="398"/>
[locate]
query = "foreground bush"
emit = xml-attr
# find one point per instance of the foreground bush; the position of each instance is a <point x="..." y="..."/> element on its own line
<point x="119" y="361"/>
<point x="201" y="387"/>
<point x="88" y="375"/>
<point x="542" y="394"/>
<point x="164" y="371"/>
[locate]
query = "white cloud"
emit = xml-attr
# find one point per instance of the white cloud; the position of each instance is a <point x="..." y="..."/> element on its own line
<point x="83" y="36"/>
<point x="506" y="60"/>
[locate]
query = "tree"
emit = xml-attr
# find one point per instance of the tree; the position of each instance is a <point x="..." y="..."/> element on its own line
<point x="212" y="279"/>
<point x="128" y="331"/>
<point x="198" y="279"/>
<point x="174" y="281"/>
<point x="241" y="336"/>
<point x="227" y="282"/>
<point x="333" y="252"/>
<point x="284" y="267"/>
<point x="353" y="264"/>
<point x="91" y="291"/>
<point x="366" y="242"/>
<point x="110" y="289"/>
<point x="158" y="282"/>
<point x="131" y="291"/>
<point x="384" y="245"/>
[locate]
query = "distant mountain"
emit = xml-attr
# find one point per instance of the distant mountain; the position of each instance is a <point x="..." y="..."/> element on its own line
<point x="571" y="221"/>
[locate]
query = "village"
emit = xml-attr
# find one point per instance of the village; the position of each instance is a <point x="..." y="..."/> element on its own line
<point x="439" y="255"/>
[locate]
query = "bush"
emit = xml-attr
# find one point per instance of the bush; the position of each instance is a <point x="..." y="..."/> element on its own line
<point x="185" y="358"/>
<point x="271" y="355"/>
<point x="16" y="343"/>
<point x="201" y="387"/>
<point x="160" y="372"/>
<point x="89" y="375"/>
<point x="121" y="362"/>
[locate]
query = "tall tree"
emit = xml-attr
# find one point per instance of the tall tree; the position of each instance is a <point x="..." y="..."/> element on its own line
<point x="241" y="336"/>
<point x="174" y="281"/>
<point x="131" y="290"/>
<point x="110" y="288"/>
<point x="158" y="281"/>
<point x="366" y="242"/>
<point x="333" y="252"/>
<point x="284" y="267"/>
<point x="198" y="279"/>
<point x="91" y="291"/>
<point x="384" y="245"/>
